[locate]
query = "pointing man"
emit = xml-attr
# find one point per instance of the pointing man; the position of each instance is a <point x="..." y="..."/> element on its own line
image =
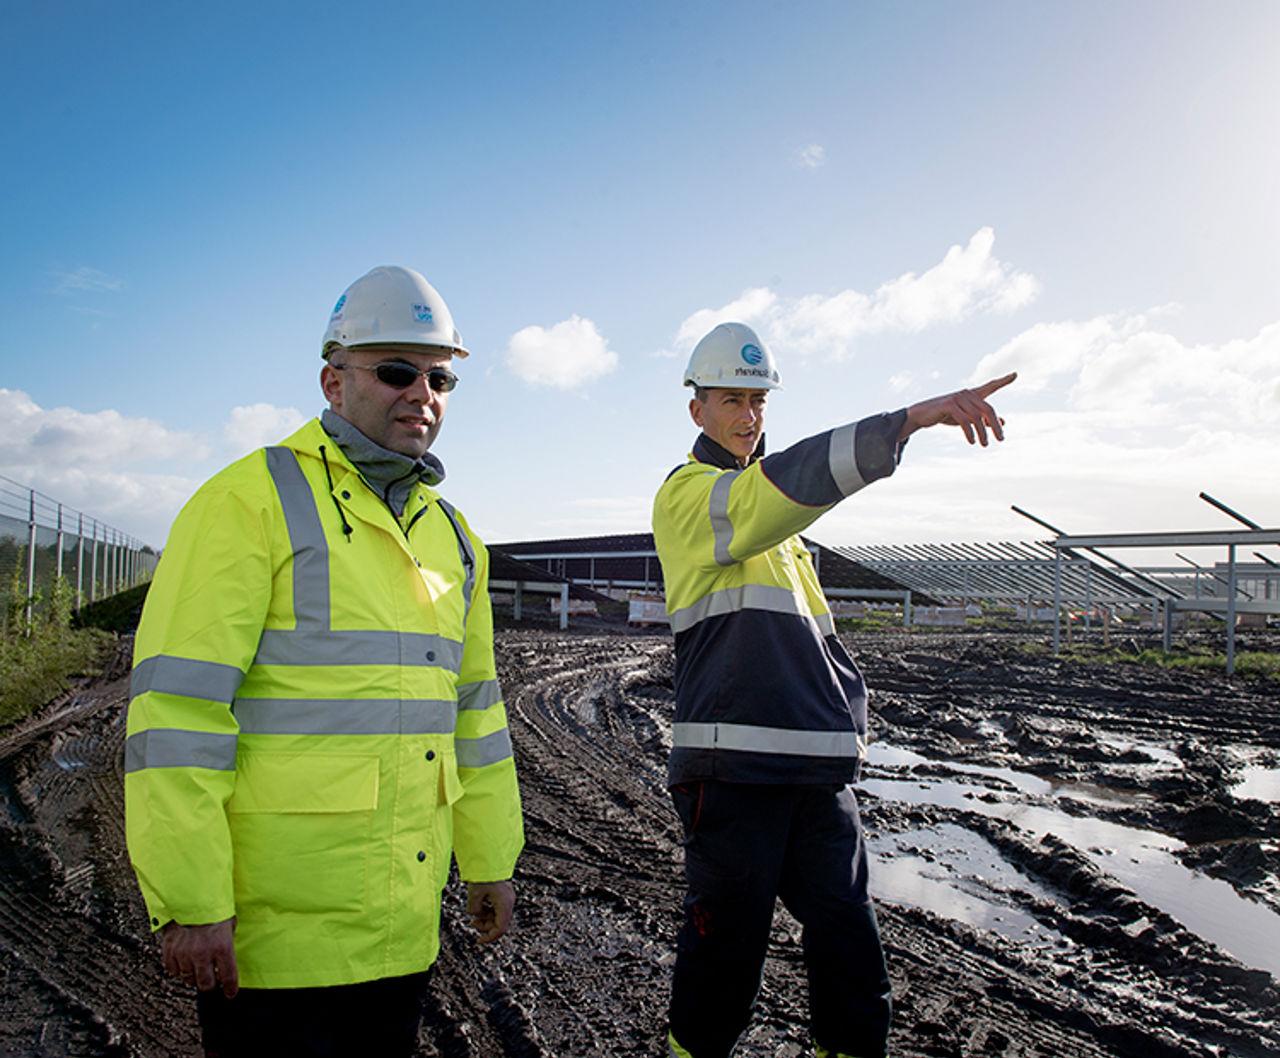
<point x="771" y="711"/>
<point x="316" y="728"/>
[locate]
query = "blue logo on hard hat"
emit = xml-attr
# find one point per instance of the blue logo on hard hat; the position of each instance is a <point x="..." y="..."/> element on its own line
<point x="752" y="354"/>
<point x="422" y="313"/>
<point x="338" y="307"/>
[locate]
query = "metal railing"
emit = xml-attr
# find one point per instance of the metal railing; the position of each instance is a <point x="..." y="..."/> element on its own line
<point x="42" y="540"/>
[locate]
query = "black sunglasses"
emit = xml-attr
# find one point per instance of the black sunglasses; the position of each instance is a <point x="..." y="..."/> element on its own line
<point x="399" y="375"/>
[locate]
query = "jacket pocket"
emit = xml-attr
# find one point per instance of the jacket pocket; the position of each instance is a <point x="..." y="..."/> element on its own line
<point x="301" y="830"/>
<point x="450" y="789"/>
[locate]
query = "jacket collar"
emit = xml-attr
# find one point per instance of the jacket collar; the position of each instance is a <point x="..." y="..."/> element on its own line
<point x="712" y="452"/>
<point x="390" y="474"/>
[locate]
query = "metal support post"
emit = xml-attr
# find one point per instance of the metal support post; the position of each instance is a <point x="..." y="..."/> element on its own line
<point x="1088" y="599"/>
<point x="906" y="609"/>
<point x="564" y="606"/>
<point x="79" y="562"/>
<point x="93" y="576"/>
<point x="1168" y="625"/>
<point x="1057" y="598"/>
<point x="58" y="566"/>
<point x="1231" y="609"/>
<point x="31" y="556"/>
<point x="517" y="599"/>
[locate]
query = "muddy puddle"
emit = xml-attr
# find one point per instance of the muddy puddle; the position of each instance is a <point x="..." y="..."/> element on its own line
<point x="1142" y="860"/>
<point x="953" y="872"/>
<point x="1069" y="860"/>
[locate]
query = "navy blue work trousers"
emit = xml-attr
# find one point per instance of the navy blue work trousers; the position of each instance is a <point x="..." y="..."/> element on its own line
<point x="373" y="1019"/>
<point x="747" y="845"/>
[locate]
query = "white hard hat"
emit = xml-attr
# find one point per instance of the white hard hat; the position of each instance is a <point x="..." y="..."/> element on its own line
<point x="391" y="306"/>
<point x="732" y="356"/>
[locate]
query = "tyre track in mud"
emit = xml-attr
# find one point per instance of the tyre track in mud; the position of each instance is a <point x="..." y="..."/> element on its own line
<point x="600" y="708"/>
<point x="586" y="968"/>
<point x="996" y="675"/>
<point x="71" y="922"/>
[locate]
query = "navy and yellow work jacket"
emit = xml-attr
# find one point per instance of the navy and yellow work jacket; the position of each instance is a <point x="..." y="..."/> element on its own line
<point x="316" y="725"/>
<point x="765" y="691"/>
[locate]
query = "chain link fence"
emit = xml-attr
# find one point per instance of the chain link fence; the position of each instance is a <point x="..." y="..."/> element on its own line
<point x="42" y="539"/>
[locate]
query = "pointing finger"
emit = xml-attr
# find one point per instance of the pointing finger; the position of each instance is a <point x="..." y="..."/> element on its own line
<point x="987" y="388"/>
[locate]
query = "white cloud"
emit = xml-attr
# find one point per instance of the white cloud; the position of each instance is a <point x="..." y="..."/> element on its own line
<point x="251" y="426"/>
<point x="968" y="280"/>
<point x="1136" y="423"/>
<point x="755" y="304"/>
<point x="85" y="278"/>
<point x="1147" y="378"/>
<point x="812" y="156"/>
<point x="91" y="461"/>
<point x="597" y="515"/>
<point x="44" y="438"/>
<point x="568" y="355"/>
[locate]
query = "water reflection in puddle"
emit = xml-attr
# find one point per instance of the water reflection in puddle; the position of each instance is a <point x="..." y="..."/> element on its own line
<point x="958" y="874"/>
<point x="1140" y="859"/>
<point x="1160" y="755"/>
<point x="1258" y="783"/>
<point x="881" y="754"/>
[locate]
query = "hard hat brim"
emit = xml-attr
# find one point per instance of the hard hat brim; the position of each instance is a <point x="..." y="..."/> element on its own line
<point x="405" y="343"/>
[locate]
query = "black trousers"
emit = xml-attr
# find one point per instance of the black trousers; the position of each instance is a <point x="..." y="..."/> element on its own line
<point x="746" y="845"/>
<point x="374" y="1019"/>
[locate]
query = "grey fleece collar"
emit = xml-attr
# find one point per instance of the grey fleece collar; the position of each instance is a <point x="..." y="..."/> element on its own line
<point x="391" y="475"/>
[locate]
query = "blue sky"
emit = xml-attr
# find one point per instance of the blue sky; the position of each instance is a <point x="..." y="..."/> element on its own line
<point x="902" y="198"/>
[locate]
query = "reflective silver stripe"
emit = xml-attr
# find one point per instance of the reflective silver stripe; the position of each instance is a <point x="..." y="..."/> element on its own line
<point x="843" y="460"/>
<point x="751" y="739"/>
<point x="310" y="549"/>
<point x="468" y="555"/>
<point x="283" y="646"/>
<point x="345" y="716"/>
<point x="186" y="676"/>
<point x="479" y="695"/>
<point x="488" y="749"/>
<point x="826" y="623"/>
<point x="167" y="747"/>
<point x="731" y="600"/>
<point x="720" y="524"/>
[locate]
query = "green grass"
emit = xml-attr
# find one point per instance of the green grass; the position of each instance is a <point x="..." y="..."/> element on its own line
<point x="37" y="661"/>
<point x="1248" y="662"/>
<point x="871" y="621"/>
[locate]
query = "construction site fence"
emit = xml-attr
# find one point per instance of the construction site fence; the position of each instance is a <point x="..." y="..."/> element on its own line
<point x="42" y="539"/>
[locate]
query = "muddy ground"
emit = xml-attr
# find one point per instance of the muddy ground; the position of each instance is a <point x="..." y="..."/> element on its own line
<point x="1061" y="864"/>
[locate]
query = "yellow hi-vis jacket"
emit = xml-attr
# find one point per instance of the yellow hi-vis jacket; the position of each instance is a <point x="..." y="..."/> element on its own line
<point x="765" y="691"/>
<point x="315" y="720"/>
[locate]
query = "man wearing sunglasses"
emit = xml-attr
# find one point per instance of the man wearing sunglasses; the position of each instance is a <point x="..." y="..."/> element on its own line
<point x="315" y="727"/>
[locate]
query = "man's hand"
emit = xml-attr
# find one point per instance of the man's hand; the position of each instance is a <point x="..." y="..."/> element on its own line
<point x="490" y="905"/>
<point x="966" y="408"/>
<point x="203" y="956"/>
